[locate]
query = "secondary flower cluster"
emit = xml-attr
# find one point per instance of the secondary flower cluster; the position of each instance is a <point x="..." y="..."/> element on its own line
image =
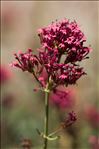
<point x="26" y="61"/>
<point x="62" y="47"/>
<point x="69" y="120"/>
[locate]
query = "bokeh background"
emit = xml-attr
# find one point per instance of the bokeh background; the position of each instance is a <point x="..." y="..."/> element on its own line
<point x="22" y="108"/>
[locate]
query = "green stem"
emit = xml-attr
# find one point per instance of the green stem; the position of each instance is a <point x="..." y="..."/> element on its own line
<point x="56" y="131"/>
<point x="47" y="92"/>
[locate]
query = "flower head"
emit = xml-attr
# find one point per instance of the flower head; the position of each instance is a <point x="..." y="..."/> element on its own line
<point x="67" y="38"/>
<point x="58" y="40"/>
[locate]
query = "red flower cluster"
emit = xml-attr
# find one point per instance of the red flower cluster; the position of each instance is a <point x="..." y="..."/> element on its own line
<point x="58" y="40"/>
<point x="67" y="38"/>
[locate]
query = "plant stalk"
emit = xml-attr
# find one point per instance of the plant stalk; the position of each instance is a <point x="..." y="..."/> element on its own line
<point x="47" y="92"/>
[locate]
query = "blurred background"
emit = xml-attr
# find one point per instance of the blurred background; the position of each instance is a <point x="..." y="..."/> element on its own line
<point x="22" y="108"/>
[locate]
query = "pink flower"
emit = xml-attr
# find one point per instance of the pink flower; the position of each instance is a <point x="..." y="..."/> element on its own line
<point x="92" y="115"/>
<point x="5" y="74"/>
<point x="94" y="142"/>
<point x="63" y="98"/>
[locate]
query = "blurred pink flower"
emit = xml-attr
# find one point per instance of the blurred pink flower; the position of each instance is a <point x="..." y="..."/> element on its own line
<point x="92" y="115"/>
<point x="9" y="15"/>
<point x="5" y="74"/>
<point x="63" y="98"/>
<point x="94" y="142"/>
<point x="8" y="101"/>
<point x="26" y="143"/>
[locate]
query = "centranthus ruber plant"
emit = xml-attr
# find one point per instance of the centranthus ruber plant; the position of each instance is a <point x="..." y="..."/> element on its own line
<point x="62" y="49"/>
